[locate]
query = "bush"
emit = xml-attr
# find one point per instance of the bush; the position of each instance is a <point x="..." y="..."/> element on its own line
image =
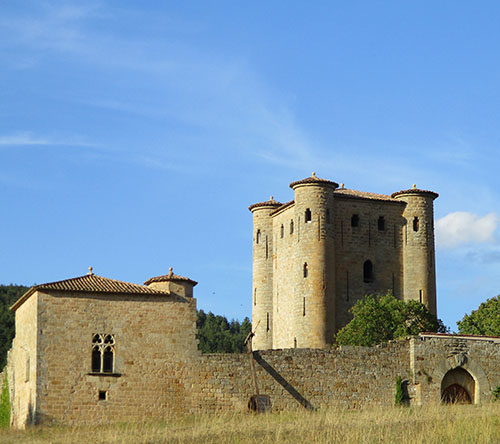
<point x="5" y="404"/>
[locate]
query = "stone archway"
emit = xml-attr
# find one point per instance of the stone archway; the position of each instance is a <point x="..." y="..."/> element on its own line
<point x="458" y="387"/>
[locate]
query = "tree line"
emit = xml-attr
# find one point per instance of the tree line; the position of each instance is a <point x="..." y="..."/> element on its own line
<point x="375" y="319"/>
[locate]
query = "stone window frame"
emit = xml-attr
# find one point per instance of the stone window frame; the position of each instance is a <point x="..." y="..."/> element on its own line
<point x="257" y="237"/>
<point x="103" y="354"/>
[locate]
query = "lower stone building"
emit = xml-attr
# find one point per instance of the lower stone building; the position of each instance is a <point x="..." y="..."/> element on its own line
<point x="93" y="350"/>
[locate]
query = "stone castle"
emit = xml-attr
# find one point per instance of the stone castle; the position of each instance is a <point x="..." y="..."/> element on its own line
<point x="91" y="350"/>
<point x="316" y="256"/>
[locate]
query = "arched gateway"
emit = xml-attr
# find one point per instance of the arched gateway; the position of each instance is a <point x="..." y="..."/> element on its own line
<point x="458" y="387"/>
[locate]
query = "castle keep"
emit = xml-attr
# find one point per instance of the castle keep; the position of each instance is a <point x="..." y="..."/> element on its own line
<point x="315" y="256"/>
<point x="93" y="350"/>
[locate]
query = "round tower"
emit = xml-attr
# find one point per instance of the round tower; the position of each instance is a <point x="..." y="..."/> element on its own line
<point x="262" y="287"/>
<point x="314" y="264"/>
<point x="419" y="267"/>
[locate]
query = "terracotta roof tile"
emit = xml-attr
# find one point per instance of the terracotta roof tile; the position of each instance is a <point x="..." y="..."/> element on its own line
<point x="90" y="283"/>
<point x="282" y="207"/>
<point x="268" y="203"/>
<point x="170" y="277"/>
<point x="314" y="179"/>
<point x="416" y="191"/>
<point x="345" y="192"/>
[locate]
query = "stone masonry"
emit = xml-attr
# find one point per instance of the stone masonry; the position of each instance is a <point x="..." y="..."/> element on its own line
<point x="316" y="256"/>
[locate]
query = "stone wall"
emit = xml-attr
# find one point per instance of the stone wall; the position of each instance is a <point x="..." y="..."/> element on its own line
<point x="433" y="356"/>
<point x="292" y="310"/>
<point x="155" y="347"/>
<point x="297" y="378"/>
<point x="22" y="364"/>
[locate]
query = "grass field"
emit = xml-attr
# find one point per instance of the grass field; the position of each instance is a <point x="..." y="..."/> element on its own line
<point x="438" y="424"/>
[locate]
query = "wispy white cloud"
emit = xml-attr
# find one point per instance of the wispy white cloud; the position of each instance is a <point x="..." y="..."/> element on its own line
<point x="27" y="139"/>
<point x="461" y="227"/>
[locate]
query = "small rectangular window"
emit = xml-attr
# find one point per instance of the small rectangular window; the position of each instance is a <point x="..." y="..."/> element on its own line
<point x="355" y="221"/>
<point x="307" y="216"/>
<point x="103" y="395"/>
<point x="381" y="223"/>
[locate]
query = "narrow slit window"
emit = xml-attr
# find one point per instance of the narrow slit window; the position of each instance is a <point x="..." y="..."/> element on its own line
<point x="327" y="215"/>
<point x="307" y="216"/>
<point x="306" y="270"/>
<point x="255" y="296"/>
<point x="267" y="326"/>
<point x="282" y="231"/>
<point x="381" y="223"/>
<point x="303" y="306"/>
<point x="257" y="237"/>
<point x="416" y="224"/>
<point x="420" y="295"/>
<point x="368" y="271"/>
<point x="291" y="226"/>
<point x="355" y="221"/>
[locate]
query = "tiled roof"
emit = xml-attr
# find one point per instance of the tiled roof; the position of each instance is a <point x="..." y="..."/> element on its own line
<point x="268" y="203"/>
<point x="170" y="277"/>
<point x="345" y="192"/>
<point x="416" y="191"/>
<point x="90" y="283"/>
<point x="314" y="179"/>
<point x="282" y="207"/>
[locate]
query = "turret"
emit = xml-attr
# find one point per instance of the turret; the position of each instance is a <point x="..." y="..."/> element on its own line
<point x="314" y="265"/>
<point x="172" y="283"/>
<point x="262" y="287"/>
<point x="419" y="268"/>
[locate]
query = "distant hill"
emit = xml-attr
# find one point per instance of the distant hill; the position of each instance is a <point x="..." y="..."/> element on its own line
<point x="8" y="295"/>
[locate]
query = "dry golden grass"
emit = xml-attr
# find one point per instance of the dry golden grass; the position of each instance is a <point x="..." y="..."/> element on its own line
<point x="437" y="424"/>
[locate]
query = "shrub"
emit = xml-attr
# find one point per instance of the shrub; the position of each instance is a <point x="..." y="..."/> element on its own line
<point x="5" y="404"/>
<point x="399" y="398"/>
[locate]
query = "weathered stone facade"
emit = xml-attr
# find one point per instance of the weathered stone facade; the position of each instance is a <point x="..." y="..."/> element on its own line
<point x="93" y="350"/>
<point x="315" y="256"/>
<point x="156" y="368"/>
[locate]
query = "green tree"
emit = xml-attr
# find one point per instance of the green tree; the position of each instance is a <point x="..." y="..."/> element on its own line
<point x="8" y="295"/>
<point x="217" y="335"/>
<point x="483" y="321"/>
<point x="380" y="318"/>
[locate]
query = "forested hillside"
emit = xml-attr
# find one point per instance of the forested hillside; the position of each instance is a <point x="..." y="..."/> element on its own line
<point x="215" y="333"/>
<point x="8" y="295"/>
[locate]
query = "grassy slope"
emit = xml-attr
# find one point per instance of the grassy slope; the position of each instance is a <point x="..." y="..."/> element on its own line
<point x="438" y="424"/>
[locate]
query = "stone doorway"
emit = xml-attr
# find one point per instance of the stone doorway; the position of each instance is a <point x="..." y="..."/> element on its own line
<point x="458" y="387"/>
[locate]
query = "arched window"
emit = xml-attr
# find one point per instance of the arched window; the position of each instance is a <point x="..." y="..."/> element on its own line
<point x="415" y="224"/>
<point x="103" y="353"/>
<point x="368" y="271"/>
<point x="381" y="223"/>
<point x="257" y="237"/>
<point x="282" y="232"/>
<point x="306" y="270"/>
<point x="355" y="220"/>
<point x="307" y="216"/>
<point x="291" y="226"/>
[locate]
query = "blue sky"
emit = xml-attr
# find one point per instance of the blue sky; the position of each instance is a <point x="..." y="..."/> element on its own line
<point x="134" y="135"/>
